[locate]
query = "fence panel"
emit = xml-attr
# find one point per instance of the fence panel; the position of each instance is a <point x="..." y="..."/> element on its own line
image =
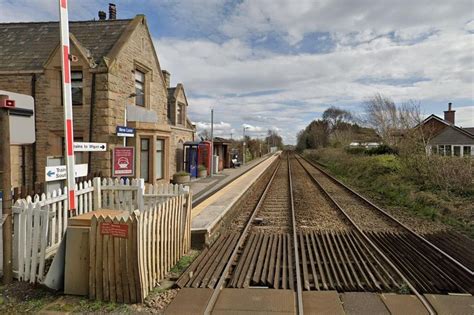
<point x="40" y="222"/>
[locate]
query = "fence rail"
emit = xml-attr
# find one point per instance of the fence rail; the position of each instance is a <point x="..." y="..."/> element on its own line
<point x="40" y="221"/>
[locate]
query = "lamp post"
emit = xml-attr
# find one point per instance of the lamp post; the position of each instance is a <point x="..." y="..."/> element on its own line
<point x="243" y="146"/>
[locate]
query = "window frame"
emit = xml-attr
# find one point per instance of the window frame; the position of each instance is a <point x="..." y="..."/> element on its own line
<point x="138" y="71"/>
<point x="160" y="152"/>
<point x="148" y="150"/>
<point x="81" y="87"/>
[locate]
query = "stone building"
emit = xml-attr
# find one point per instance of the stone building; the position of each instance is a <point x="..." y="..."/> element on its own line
<point x="182" y="128"/>
<point x="114" y="69"/>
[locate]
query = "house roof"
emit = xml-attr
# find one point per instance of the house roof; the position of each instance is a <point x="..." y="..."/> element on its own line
<point x="467" y="131"/>
<point x="27" y="46"/>
<point x="470" y="130"/>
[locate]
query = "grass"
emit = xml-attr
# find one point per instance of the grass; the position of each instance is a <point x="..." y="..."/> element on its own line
<point x="385" y="179"/>
<point x="184" y="262"/>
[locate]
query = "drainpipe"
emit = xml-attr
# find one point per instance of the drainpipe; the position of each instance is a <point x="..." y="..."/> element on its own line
<point x="91" y="118"/>
<point x="33" y="94"/>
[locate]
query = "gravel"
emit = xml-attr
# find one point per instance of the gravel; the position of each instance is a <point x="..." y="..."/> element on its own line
<point x="313" y="211"/>
<point x="368" y="218"/>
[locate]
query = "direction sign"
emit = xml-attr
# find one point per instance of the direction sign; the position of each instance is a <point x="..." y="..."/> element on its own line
<point x="89" y="146"/>
<point x="123" y="131"/>
<point x="53" y="173"/>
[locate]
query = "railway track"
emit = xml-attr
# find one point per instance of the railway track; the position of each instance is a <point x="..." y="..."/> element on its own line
<point x="306" y="232"/>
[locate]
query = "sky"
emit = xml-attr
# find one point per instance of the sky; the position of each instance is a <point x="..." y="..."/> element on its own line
<point x="278" y="64"/>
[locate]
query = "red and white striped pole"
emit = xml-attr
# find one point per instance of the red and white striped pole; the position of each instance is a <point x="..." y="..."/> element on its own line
<point x="67" y="102"/>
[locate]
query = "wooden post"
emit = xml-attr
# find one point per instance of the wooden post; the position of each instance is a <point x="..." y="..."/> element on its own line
<point x="140" y="192"/>
<point x="97" y="193"/>
<point x="5" y="187"/>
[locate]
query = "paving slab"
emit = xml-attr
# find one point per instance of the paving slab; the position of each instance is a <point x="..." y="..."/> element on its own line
<point x="255" y="301"/>
<point x="322" y="302"/>
<point x="189" y="301"/>
<point x="403" y="304"/>
<point x="362" y="303"/>
<point x="452" y="304"/>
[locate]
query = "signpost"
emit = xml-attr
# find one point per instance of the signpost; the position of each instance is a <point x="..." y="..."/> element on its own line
<point x="54" y="173"/>
<point x="123" y="131"/>
<point x="123" y="162"/>
<point x="89" y="147"/>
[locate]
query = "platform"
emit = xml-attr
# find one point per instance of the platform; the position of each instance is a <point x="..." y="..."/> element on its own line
<point x="208" y="215"/>
<point x="204" y="187"/>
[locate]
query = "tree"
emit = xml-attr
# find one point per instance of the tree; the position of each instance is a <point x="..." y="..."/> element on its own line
<point x="335" y="116"/>
<point x="314" y="136"/>
<point x="205" y="134"/>
<point x="390" y="121"/>
<point x="273" y="139"/>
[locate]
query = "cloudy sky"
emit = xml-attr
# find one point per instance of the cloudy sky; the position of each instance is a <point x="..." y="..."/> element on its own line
<point x="277" y="64"/>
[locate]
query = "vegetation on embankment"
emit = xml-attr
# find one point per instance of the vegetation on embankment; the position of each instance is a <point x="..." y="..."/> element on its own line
<point x="436" y="188"/>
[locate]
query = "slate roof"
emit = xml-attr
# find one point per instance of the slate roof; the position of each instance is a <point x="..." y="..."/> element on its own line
<point x="27" y="46"/>
<point x="470" y="130"/>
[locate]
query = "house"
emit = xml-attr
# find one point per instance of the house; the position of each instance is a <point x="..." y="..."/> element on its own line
<point x="182" y="128"/>
<point x="445" y="138"/>
<point x="115" y="73"/>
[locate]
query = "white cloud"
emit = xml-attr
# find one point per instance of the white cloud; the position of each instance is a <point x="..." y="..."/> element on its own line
<point x="465" y="116"/>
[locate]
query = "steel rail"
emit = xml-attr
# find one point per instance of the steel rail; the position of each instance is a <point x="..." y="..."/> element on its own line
<point x="388" y="215"/>
<point x="422" y="299"/>
<point x="215" y="294"/>
<point x="299" y="293"/>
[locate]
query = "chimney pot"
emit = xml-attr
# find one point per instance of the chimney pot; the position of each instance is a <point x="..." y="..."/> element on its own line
<point x="102" y="15"/>
<point x="112" y="11"/>
<point x="449" y="115"/>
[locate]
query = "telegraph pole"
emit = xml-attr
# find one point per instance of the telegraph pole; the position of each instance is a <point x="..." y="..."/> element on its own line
<point x="212" y="141"/>
<point x="5" y="187"/>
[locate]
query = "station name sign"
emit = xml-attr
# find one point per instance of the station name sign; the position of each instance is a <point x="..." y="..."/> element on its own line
<point x="123" y="131"/>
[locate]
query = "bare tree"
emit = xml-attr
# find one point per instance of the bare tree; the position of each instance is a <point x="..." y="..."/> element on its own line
<point x="391" y="122"/>
<point x="336" y="116"/>
<point x="205" y="134"/>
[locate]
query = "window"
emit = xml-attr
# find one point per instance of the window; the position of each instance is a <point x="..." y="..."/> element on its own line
<point x="447" y="150"/>
<point x="180" y="114"/>
<point x="145" y="159"/>
<point x="441" y="149"/>
<point x="159" y="158"/>
<point x="466" y="150"/>
<point x="457" y="150"/>
<point x="76" y="87"/>
<point x="139" y="88"/>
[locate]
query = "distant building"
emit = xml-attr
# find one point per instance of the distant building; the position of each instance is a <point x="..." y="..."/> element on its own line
<point x="182" y="128"/>
<point x="445" y="138"/>
<point x="114" y="68"/>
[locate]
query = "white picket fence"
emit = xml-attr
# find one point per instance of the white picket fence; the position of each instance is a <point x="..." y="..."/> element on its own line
<point x="40" y="221"/>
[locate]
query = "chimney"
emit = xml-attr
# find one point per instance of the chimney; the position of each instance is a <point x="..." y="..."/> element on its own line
<point x="102" y="15"/>
<point x="112" y="11"/>
<point x="449" y="114"/>
<point x="166" y="77"/>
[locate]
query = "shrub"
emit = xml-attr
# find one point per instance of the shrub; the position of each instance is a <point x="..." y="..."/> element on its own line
<point x="182" y="173"/>
<point x="202" y="168"/>
<point x="381" y="149"/>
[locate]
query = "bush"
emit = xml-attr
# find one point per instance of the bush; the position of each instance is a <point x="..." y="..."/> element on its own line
<point x="381" y="149"/>
<point x="182" y="173"/>
<point x="202" y="168"/>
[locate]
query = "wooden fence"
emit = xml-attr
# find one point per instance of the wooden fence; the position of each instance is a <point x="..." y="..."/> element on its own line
<point x="41" y="220"/>
<point x="126" y="265"/>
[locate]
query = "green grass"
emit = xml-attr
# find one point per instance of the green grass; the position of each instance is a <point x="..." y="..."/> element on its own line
<point x="184" y="262"/>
